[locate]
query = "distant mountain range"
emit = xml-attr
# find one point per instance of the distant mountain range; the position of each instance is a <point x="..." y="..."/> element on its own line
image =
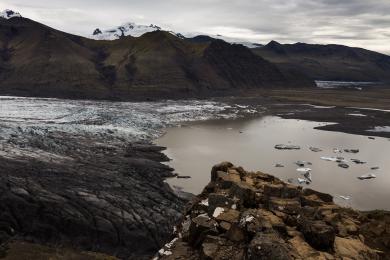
<point x="145" y="62"/>
<point x="328" y="62"/>
<point x="37" y="60"/>
<point x="136" y="30"/>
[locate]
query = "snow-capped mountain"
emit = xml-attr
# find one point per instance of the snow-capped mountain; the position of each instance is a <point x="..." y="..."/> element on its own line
<point x="8" y="14"/>
<point x="135" y="30"/>
<point x="128" y="29"/>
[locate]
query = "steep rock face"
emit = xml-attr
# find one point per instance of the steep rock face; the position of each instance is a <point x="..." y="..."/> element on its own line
<point x="328" y="62"/>
<point x="36" y="60"/>
<point x="248" y="215"/>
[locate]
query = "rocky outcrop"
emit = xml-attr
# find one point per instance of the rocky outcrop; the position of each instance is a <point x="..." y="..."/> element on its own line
<point x="252" y="215"/>
<point x="94" y="197"/>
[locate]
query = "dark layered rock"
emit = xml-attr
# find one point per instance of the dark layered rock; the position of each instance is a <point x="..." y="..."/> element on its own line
<point x="91" y="196"/>
<point x="252" y="215"/>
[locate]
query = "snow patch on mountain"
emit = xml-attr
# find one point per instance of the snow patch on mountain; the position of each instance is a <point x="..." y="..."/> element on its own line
<point x="135" y="30"/>
<point x="128" y="29"/>
<point x="8" y="14"/>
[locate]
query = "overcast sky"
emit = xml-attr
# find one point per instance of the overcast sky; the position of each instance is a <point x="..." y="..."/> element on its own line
<point x="361" y="23"/>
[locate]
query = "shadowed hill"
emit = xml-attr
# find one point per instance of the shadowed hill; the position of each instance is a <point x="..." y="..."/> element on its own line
<point x="37" y="60"/>
<point x="328" y="62"/>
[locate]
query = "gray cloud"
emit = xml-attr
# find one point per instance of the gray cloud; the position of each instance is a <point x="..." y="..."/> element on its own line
<point x="361" y="23"/>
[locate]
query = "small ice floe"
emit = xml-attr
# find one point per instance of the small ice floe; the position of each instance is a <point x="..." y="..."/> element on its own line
<point x="218" y="211"/>
<point x="301" y="181"/>
<point x="356" y="114"/>
<point x="302" y="163"/>
<point x="343" y="165"/>
<point x="315" y="149"/>
<point x="367" y="176"/>
<point x="374" y="168"/>
<point x="332" y="159"/>
<point x="229" y="128"/>
<point x="380" y="129"/>
<point x="351" y="150"/>
<point x="357" y="161"/>
<point x="337" y="150"/>
<point x="345" y="197"/>
<point x="279" y="165"/>
<point x="304" y="170"/>
<point x="287" y="147"/>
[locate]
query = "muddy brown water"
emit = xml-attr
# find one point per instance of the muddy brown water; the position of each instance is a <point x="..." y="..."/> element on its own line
<point x="196" y="147"/>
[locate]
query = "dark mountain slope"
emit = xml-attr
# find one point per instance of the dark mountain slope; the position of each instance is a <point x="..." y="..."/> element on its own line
<point x="328" y="62"/>
<point x="40" y="61"/>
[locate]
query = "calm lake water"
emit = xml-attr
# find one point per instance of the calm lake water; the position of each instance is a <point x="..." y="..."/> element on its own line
<point x="196" y="147"/>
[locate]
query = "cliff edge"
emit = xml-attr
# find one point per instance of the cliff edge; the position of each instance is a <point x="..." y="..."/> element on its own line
<point x="252" y="215"/>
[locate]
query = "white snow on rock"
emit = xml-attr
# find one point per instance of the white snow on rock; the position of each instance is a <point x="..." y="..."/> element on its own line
<point x="380" y="129"/>
<point x="218" y="211"/>
<point x="205" y="202"/>
<point x="127" y="29"/>
<point x="8" y="14"/>
<point x="357" y="114"/>
<point x="304" y="169"/>
<point x="136" y="30"/>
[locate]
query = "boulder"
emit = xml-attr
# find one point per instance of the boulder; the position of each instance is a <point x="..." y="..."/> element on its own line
<point x="268" y="246"/>
<point x="219" y="200"/>
<point x="224" y="166"/>
<point x="288" y="206"/>
<point x="245" y="193"/>
<point x="322" y="196"/>
<point x="354" y="249"/>
<point x="318" y="234"/>
<point x="200" y="227"/>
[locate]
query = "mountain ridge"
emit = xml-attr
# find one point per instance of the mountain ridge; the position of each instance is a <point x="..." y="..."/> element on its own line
<point x="38" y="60"/>
<point x="329" y="62"/>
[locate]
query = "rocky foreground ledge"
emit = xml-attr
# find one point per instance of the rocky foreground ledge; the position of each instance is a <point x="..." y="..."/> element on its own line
<point x="248" y="215"/>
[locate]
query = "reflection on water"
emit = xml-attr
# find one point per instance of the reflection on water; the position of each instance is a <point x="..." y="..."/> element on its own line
<point x="194" y="149"/>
